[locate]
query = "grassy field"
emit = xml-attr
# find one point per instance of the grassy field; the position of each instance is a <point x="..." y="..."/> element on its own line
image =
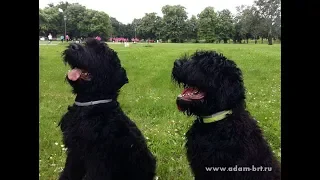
<point x="149" y="100"/>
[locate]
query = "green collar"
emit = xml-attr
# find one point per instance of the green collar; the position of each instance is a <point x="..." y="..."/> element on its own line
<point x="216" y="117"/>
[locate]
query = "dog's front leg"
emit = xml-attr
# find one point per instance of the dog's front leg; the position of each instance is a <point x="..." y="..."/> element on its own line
<point x="74" y="167"/>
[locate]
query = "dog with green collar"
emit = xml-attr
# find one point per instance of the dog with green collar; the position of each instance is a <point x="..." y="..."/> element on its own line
<point x="224" y="133"/>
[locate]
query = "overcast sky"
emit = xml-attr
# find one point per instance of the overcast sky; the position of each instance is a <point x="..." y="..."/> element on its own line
<point x="126" y="10"/>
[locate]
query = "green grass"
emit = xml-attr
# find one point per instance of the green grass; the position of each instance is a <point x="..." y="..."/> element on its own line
<point x="149" y="99"/>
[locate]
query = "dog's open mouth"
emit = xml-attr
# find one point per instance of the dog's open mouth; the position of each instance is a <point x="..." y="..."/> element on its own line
<point x="77" y="73"/>
<point x="191" y="93"/>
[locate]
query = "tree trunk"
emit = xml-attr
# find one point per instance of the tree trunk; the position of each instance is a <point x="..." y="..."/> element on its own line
<point x="247" y="40"/>
<point x="225" y="41"/>
<point x="270" y="40"/>
<point x="261" y="40"/>
<point x="255" y="40"/>
<point x="269" y="37"/>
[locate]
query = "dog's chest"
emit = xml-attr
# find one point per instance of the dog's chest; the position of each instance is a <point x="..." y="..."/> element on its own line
<point x="78" y="128"/>
<point x="205" y="142"/>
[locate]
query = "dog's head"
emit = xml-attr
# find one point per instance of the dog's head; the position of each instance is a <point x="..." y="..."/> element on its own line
<point x="95" y="68"/>
<point x="211" y="82"/>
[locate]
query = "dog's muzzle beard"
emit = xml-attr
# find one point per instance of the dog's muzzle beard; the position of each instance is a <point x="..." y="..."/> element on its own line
<point x="190" y="107"/>
<point x="190" y="100"/>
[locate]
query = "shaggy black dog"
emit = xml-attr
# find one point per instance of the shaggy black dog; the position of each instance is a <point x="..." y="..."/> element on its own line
<point x="102" y="142"/>
<point x="224" y="142"/>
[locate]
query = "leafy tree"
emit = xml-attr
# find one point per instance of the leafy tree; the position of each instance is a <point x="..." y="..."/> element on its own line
<point x="249" y="20"/>
<point x="277" y="27"/>
<point x="75" y="14"/>
<point x="238" y="33"/>
<point x="136" y="23"/>
<point x="261" y="20"/>
<point x="100" y="24"/>
<point x="51" y="20"/>
<point x="79" y="21"/>
<point x="207" y="24"/>
<point x="129" y="31"/>
<point x="270" y="11"/>
<point x="174" y="22"/>
<point x="115" y="27"/>
<point x="224" y="28"/>
<point x="192" y="28"/>
<point x="43" y="22"/>
<point x="149" y="26"/>
<point x="63" y="5"/>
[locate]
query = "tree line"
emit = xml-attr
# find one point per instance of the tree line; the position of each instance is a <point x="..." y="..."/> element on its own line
<point x="262" y="20"/>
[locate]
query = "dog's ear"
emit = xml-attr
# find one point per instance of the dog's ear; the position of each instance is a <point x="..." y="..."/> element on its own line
<point x="231" y="90"/>
<point x="101" y="47"/>
<point x="177" y="69"/>
<point x="91" y="42"/>
<point x="121" y="78"/>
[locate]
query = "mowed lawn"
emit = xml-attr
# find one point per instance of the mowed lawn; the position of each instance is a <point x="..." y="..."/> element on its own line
<point x="149" y="99"/>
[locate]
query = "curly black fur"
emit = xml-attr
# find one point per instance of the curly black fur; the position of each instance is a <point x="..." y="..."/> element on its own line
<point x="234" y="141"/>
<point x="102" y="142"/>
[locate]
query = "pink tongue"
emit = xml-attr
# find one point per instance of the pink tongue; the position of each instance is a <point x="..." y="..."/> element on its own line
<point x="74" y="74"/>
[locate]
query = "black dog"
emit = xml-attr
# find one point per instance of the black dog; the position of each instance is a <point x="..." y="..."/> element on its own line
<point x="224" y="142"/>
<point x="102" y="142"/>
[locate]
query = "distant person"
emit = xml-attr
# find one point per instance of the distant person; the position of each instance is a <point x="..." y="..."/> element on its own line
<point x="49" y="38"/>
<point x="67" y="38"/>
<point x="62" y="38"/>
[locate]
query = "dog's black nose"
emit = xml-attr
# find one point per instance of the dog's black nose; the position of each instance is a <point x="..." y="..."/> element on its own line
<point x="74" y="46"/>
<point x="177" y="63"/>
